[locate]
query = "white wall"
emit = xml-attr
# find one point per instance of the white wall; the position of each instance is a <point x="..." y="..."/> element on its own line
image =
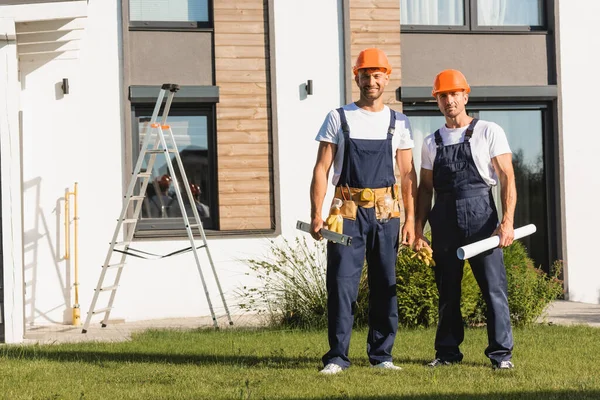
<point x="10" y="179"/>
<point x="579" y="41"/>
<point x="79" y="138"/>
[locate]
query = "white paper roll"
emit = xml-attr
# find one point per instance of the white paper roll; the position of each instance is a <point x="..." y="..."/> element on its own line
<point x="473" y="249"/>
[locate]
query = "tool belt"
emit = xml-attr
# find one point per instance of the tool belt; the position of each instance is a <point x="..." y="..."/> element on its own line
<point x="353" y="198"/>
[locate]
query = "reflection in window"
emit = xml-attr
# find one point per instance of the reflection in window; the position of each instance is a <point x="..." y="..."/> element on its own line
<point x="191" y="138"/>
<point x="525" y="136"/>
<point x="509" y="12"/>
<point x="168" y="10"/>
<point x="432" y="12"/>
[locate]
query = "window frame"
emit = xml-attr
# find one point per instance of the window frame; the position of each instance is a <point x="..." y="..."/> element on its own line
<point x="472" y="24"/>
<point x="173" y="227"/>
<point x="194" y="26"/>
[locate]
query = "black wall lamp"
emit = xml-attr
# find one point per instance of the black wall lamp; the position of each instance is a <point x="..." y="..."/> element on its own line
<point x="65" y="86"/>
<point x="309" y="87"/>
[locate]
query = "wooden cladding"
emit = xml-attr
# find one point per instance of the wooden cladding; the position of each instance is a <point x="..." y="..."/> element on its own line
<point x="376" y="23"/>
<point x="243" y="114"/>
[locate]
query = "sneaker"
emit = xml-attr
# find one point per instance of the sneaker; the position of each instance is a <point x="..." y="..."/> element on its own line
<point x="504" y="365"/>
<point x="438" y="362"/>
<point x="331" y="369"/>
<point x="386" y="365"/>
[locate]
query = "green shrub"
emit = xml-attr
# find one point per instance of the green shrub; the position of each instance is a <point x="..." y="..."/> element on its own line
<point x="292" y="291"/>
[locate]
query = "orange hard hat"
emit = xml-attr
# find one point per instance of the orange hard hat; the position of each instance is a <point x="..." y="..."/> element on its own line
<point x="450" y="80"/>
<point x="164" y="182"/>
<point x="372" y="58"/>
<point x="195" y="189"/>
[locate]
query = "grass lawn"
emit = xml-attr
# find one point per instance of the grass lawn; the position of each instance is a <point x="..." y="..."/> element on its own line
<point x="552" y="362"/>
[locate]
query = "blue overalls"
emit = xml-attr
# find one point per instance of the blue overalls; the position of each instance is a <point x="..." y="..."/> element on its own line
<point x="367" y="164"/>
<point x="464" y="212"/>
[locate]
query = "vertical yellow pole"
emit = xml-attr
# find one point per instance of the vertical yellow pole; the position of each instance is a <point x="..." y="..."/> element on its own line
<point x="76" y="308"/>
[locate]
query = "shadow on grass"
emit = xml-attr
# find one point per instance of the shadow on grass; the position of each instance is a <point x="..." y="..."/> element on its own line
<point x="522" y="395"/>
<point x="98" y="357"/>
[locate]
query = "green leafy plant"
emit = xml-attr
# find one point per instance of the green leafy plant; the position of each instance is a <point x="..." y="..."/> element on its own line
<point x="291" y="290"/>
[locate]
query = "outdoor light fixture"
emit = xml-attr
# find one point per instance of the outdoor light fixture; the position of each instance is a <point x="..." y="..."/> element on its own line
<point x="309" y="87"/>
<point x="65" y="86"/>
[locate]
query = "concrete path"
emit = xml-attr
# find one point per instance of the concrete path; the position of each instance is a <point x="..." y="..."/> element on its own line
<point x="559" y="313"/>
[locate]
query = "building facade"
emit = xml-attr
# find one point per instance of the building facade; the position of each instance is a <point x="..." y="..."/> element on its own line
<point x="80" y="79"/>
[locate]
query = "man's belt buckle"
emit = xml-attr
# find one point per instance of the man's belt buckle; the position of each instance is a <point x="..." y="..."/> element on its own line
<point x="367" y="195"/>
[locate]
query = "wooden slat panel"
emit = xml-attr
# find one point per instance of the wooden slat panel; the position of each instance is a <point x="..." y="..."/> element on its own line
<point x="238" y="5"/>
<point x="246" y="223"/>
<point x="244" y="101"/>
<point x="240" y="77"/>
<point x="237" y="113"/>
<point x="243" y="28"/>
<point x="239" y="162"/>
<point x="240" y="199"/>
<point x="376" y="26"/>
<point x="391" y="49"/>
<point x="245" y="88"/>
<point x="244" y="174"/>
<point x="234" y="137"/>
<point x="226" y="15"/>
<point x="240" y="52"/>
<point x="366" y="39"/>
<point x="234" y="150"/>
<point x="241" y="64"/>
<point x="393" y="4"/>
<point x="263" y="186"/>
<point x="374" y="14"/>
<point x="242" y="210"/>
<point x="242" y="125"/>
<point x="240" y="39"/>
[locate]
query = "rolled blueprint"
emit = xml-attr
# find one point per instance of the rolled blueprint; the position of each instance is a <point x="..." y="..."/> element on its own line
<point x="473" y="249"/>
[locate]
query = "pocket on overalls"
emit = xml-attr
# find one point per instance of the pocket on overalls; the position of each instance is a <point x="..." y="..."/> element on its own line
<point x="348" y="210"/>
<point x="384" y="206"/>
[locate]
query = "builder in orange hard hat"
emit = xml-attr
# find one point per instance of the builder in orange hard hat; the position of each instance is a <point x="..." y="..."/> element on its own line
<point x="461" y="162"/>
<point x="363" y="140"/>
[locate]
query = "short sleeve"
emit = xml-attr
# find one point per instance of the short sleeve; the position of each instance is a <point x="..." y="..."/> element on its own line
<point x="426" y="155"/>
<point x="497" y="140"/>
<point x="330" y="128"/>
<point x="404" y="129"/>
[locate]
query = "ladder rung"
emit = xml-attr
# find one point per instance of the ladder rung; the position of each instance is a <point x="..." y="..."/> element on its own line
<point x="120" y="265"/>
<point x="144" y="175"/>
<point x="129" y="220"/>
<point x="101" y="310"/>
<point x="136" y="197"/>
<point x="195" y="225"/>
<point x="108" y="288"/>
<point x="159" y="151"/>
<point x="122" y="243"/>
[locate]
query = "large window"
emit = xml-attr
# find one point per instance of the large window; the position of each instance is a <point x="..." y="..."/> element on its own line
<point x="524" y="127"/>
<point x="160" y="14"/>
<point x="472" y="15"/>
<point x="193" y="130"/>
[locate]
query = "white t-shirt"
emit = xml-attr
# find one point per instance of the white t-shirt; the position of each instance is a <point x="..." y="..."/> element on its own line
<point x="363" y="125"/>
<point x="487" y="142"/>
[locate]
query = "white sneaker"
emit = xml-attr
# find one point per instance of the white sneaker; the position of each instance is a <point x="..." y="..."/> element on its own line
<point x="331" y="369"/>
<point x="386" y="365"/>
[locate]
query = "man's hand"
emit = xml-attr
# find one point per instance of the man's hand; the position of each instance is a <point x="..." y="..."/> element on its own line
<point x="316" y="224"/>
<point x="408" y="233"/>
<point x="506" y="232"/>
<point x="420" y="242"/>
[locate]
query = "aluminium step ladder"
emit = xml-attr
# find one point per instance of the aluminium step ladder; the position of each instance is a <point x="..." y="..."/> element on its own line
<point x="160" y="146"/>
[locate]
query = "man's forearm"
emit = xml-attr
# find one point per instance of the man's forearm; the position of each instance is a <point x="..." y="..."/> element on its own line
<point x="318" y="189"/>
<point x="508" y="194"/>
<point x="408" y="184"/>
<point x="423" y="206"/>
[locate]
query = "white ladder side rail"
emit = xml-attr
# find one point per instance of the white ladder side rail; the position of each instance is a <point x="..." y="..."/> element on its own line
<point x="200" y="229"/>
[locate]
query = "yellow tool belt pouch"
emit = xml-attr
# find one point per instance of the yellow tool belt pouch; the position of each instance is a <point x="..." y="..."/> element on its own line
<point x="385" y="201"/>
